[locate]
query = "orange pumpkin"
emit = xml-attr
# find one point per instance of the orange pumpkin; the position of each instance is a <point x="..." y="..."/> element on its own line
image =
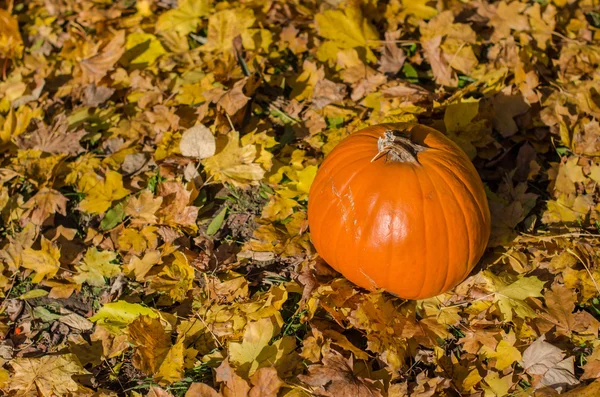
<point x="399" y="207"/>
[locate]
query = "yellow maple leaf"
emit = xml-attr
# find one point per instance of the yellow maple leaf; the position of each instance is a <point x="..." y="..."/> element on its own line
<point x="184" y="19"/>
<point x="505" y="354"/>
<point x="141" y="266"/>
<point x="234" y="163"/>
<point x="304" y="83"/>
<point x="45" y="262"/>
<point x="100" y="192"/>
<point x="155" y="354"/>
<point x="142" y="208"/>
<point x="143" y="49"/>
<point x="17" y="122"/>
<point x="11" y="43"/>
<point x="175" y="279"/>
<point x="279" y="207"/>
<point x="348" y="28"/>
<point x="247" y="353"/>
<point x="135" y="241"/>
<point x="224" y="26"/>
<point x="417" y="8"/>
<point x="168" y="145"/>
<point x="95" y="266"/>
<point x="47" y="376"/>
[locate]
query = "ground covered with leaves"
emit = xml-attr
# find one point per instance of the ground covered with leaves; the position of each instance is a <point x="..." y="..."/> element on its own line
<point x="155" y="163"/>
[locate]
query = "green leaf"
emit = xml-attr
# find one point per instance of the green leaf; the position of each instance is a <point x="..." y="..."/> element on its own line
<point x="216" y="223"/>
<point x="113" y="217"/>
<point x="34" y="293"/>
<point x="41" y="313"/>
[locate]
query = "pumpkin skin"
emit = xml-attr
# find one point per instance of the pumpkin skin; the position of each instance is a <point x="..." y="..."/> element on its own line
<point x="412" y="220"/>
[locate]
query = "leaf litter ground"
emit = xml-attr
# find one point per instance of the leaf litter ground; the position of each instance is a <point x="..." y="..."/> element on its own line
<point x="156" y="158"/>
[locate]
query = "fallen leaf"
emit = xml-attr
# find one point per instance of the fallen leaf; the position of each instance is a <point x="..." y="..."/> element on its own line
<point x="46" y="376"/>
<point x="184" y="19"/>
<point x="198" y="142"/>
<point x="234" y="385"/>
<point x="94" y="68"/>
<point x="44" y="262"/>
<point x="234" y="163"/>
<point x="265" y="383"/>
<point x="96" y="265"/>
<point x="101" y="192"/>
<point x="543" y="359"/>
<point x="336" y="376"/>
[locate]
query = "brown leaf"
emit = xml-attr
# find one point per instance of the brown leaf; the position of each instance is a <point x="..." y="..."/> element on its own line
<point x="506" y="107"/>
<point x="393" y="57"/>
<point x="153" y="343"/>
<point x="592" y="367"/>
<point x="55" y="139"/>
<point x="175" y="210"/>
<point x="231" y="100"/>
<point x="265" y="383"/>
<point x="327" y="92"/>
<point x="336" y="377"/>
<point x="94" y="68"/>
<point x="234" y="385"/>
<point x="44" y="203"/>
<point x="561" y="303"/>
<point x="442" y="72"/>
<point x="94" y="95"/>
<point x="201" y="390"/>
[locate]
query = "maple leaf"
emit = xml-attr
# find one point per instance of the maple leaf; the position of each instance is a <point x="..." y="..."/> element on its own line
<point x="95" y="67"/>
<point x="46" y="376"/>
<point x="44" y="203"/>
<point x="561" y="304"/>
<point x="155" y="354"/>
<point x="510" y="294"/>
<point x="505" y="17"/>
<point x="184" y="19"/>
<point x="495" y="386"/>
<point x="96" y="265"/>
<point x="304" y="83"/>
<point x="543" y="359"/>
<point x="348" y="28"/>
<point x="505" y="354"/>
<point x="234" y="163"/>
<point x="55" y="139"/>
<point x="265" y="383"/>
<point x="254" y="351"/>
<point x="11" y="43"/>
<point x="140" y="267"/>
<point x="176" y="278"/>
<point x="592" y="366"/>
<point x="142" y="49"/>
<point x="231" y="100"/>
<point x="336" y="376"/>
<point x="225" y="25"/>
<point x="115" y="316"/>
<point x="143" y="207"/>
<point x="234" y="385"/>
<point x="201" y="390"/>
<point x="418" y="9"/>
<point x="100" y="192"/>
<point x="45" y="262"/>
<point x="176" y="210"/>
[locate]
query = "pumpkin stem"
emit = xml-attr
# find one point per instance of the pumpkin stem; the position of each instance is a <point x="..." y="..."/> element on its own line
<point x="398" y="147"/>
